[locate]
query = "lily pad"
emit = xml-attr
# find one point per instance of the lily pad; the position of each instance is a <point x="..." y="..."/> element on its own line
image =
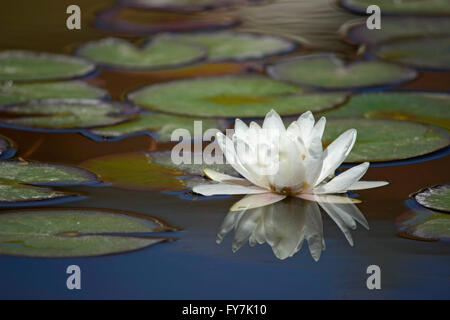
<point x="134" y="171"/>
<point x="160" y="53"/>
<point x="133" y="21"/>
<point x="12" y="92"/>
<point x="424" y="225"/>
<point x="66" y="114"/>
<point x="397" y="27"/>
<point x="387" y="140"/>
<point x="184" y="5"/>
<point x="326" y="71"/>
<point x="74" y="232"/>
<point x="7" y="147"/>
<point x="422" y="107"/>
<point x="161" y="124"/>
<point x="424" y="53"/>
<point x="27" y="65"/>
<point x="15" y="193"/>
<point x="237" y="46"/>
<point x="37" y="173"/>
<point x="435" y="198"/>
<point x="403" y="7"/>
<point x="231" y="96"/>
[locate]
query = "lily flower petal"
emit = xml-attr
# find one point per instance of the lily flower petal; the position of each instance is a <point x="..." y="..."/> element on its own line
<point x="336" y="153"/>
<point x="342" y="182"/>
<point x="225" y="178"/>
<point x="361" y="185"/>
<point x="273" y="121"/>
<point x="330" y="210"/>
<point x="327" y="198"/>
<point x="256" y="201"/>
<point x="223" y="189"/>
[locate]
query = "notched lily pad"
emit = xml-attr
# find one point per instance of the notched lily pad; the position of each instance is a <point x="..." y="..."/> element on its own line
<point x="396" y="28"/>
<point x="403" y="7"/>
<point x="132" y="21"/>
<point x="424" y="53"/>
<point x="160" y="124"/>
<point x="424" y="225"/>
<point x="12" y="92"/>
<point x="326" y="71"/>
<point x="387" y="140"/>
<point x="7" y="147"/>
<point x="160" y="53"/>
<point x="37" y="173"/>
<point x="231" y="96"/>
<point x="435" y="198"/>
<point x="68" y="114"/>
<point x="75" y="232"/>
<point x="237" y="46"/>
<point x="27" y="65"/>
<point x="134" y="171"/>
<point x="421" y="107"/>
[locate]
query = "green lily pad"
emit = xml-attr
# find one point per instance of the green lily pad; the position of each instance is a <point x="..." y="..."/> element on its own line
<point x="160" y="53"/>
<point x="134" y="171"/>
<point x="422" y="107"/>
<point x="395" y="7"/>
<point x="424" y="225"/>
<point x="435" y="198"/>
<point x="231" y="96"/>
<point x="20" y="92"/>
<point x="387" y="140"/>
<point x="7" y="147"/>
<point x="397" y="27"/>
<point x="37" y="173"/>
<point x="16" y="193"/>
<point x="74" y="232"/>
<point x="237" y="46"/>
<point x="161" y="124"/>
<point x="425" y="53"/>
<point x="66" y="113"/>
<point x="27" y="65"/>
<point x="326" y="71"/>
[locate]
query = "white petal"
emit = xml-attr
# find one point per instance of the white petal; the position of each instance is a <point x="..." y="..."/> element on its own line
<point x="222" y="188"/>
<point x="314" y="231"/>
<point x="256" y="201"/>
<point x="354" y="212"/>
<point x="361" y="185"/>
<point x="240" y="127"/>
<point x="225" y="178"/>
<point x="319" y="127"/>
<point x="338" y="220"/>
<point x="306" y="124"/>
<point x="273" y="121"/>
<point x="229" y="222"/>
<point x="327" y="198"/>
<point x="244" y="228"/>
<point x="343" y="181"/>
<point x="336" y="153"/>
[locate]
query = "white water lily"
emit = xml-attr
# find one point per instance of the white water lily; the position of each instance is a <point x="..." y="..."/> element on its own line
<point x="276" y="162"/>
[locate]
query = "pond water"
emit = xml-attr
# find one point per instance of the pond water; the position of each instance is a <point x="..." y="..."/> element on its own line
<point x="193" y="265"/>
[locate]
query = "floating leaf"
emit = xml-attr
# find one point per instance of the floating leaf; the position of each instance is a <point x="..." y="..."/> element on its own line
<point x="422" y="107"/>
<point x="74" y="232"/>
<point x="386" y="140"/>
<point x="426" y="53"/>
<point x="27" y="65"/>
<point x="435" y="198"/>
<point x="326" y="71"/>
<point x="134" y="171"/>
<point x="16" y="193"/>
<point x="231" y="96"/>
<point x="20" y="92"/>
<point x="424" y="225"/>
<point x="131" y="21"/>
<point x="37" y="173"/>
<point x="237" y="46"/>
<point x="184" y="5"/>
<point x="160" y="53"/>
<point x="397" y="27"/>
<point x="395" y="7"/>
<point x="66" y="113"/>
<point x="161" y="124"/>
<point x="7" y="147"/>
